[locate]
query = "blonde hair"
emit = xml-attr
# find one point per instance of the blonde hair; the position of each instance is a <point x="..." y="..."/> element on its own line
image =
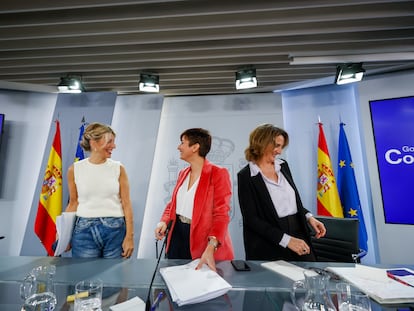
<point x="95" y="131"/>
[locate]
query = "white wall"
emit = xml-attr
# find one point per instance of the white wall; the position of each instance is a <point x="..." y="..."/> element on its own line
<point x="394" y="241"/>
<point x="28" y="121"/>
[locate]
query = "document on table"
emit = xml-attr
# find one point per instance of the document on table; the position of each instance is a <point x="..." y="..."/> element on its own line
<point x="376" y="284"/>
<point x="64" y="228"/>
<point x="291" y="271"/>
<point x="133" y="304"/>
<point x="189" y="286"/>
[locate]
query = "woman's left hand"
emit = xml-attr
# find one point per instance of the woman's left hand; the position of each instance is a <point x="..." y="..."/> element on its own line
<point x="318" y="226"/>
<point x="128" y="247"/>
<point x="208" y="258"/>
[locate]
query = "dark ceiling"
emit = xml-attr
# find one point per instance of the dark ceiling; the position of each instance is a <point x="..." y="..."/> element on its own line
<point x="196" y="46"/>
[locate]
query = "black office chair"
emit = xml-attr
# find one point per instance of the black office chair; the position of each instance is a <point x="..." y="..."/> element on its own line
<point x="341" y="242"/>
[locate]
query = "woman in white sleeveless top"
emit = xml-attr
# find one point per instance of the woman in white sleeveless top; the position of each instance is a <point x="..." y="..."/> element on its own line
<point x="99" y="194"/>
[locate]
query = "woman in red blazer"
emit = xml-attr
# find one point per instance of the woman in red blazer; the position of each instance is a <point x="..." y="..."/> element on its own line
<point x="199" y="207"/>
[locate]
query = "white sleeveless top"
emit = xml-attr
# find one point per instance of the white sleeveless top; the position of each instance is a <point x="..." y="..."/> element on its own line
<point x="98" y="188"/>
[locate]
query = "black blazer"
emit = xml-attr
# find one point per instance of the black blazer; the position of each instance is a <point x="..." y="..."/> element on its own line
<point x="262" y="227"/>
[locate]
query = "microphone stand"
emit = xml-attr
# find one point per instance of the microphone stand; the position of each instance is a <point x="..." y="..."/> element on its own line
<point x="148" y="301"/>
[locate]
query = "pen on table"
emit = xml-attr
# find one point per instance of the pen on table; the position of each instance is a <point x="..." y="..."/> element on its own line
<point x="398" y="280"/>
<point x="157" y="301"/>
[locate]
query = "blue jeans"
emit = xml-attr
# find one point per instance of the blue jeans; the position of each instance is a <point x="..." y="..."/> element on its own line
<point x="98" y="237"/>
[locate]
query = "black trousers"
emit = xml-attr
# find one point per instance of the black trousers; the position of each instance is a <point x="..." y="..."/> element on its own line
<point x="180" y="241"/>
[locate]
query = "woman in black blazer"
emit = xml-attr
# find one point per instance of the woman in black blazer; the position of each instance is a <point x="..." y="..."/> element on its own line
<point x="274" y="219"/>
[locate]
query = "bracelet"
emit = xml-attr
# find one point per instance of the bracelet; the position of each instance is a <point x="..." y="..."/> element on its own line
<point x="213" y="241"/>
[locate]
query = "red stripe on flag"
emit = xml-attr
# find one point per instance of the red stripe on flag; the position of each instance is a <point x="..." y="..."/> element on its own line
<point x="57" y="145"/>
<point x="322" y="211"/>
<point x="45" y="229"/>
<point x="322" y="141"/>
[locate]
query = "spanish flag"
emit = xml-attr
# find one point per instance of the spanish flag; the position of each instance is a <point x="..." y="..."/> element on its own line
<point x="328" y="202"/>
<point x="50" y="202"/>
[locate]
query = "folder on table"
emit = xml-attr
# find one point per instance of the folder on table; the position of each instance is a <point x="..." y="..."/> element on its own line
<point x="376" y="284"/>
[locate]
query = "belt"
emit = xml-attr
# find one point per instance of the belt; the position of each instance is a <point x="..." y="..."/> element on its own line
<point x="184" y="219"/>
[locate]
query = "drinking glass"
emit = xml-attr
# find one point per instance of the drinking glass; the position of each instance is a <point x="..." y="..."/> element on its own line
<point x="351" y="299"/>
<point x="88" y="295"/>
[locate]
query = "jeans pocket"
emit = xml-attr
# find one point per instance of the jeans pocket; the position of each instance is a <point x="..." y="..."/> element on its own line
<point x="113" y="222"/>
<point x="83" y="224"/>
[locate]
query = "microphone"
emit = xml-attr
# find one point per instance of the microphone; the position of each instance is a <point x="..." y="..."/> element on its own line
<point x="148" y="301"/>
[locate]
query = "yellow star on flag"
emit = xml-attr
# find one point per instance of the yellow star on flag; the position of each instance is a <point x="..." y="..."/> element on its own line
<point x="352" y="212"/>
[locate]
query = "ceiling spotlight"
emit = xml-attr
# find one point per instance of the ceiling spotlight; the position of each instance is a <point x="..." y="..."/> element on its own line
<point x="70" y="84"/>
<point x="246" y="79"/>
<point x="348" y="73"/>
<point x="149" y="83"/>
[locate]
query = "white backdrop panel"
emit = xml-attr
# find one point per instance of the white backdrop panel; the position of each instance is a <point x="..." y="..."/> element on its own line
<point x="136" y="119"/>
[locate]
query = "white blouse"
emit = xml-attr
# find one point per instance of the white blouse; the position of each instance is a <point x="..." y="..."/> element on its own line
<point x="185" y="198"/>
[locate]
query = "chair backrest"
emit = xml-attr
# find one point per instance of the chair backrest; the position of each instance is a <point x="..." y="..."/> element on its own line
<point x="340" y="243"/>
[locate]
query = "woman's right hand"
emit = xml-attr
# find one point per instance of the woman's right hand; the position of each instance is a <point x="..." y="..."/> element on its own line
<point x="299" y="246"/>
<point x="69" y="247"/>
<point x="160" y="230"/>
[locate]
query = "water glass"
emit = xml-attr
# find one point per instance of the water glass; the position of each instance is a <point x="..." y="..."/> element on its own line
<point x="351" y="299"/>
<point x="88" y="295"/>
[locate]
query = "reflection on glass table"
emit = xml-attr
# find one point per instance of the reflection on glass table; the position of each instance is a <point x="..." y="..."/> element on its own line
<point x="234" y="300"/>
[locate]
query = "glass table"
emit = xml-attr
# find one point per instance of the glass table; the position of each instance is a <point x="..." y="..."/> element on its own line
<point x="258" y="289"/>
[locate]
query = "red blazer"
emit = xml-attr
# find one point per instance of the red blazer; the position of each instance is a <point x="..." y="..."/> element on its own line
<point x="210" y="213"/>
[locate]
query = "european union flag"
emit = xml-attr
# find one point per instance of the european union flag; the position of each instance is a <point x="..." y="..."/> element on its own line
<point x="79" y="151"/>
<point x="347" y="187"/>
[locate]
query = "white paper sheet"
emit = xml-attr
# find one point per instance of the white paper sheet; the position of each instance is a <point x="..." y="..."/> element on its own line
<point x="189" y="286"/>
<point x="133" y="304"/>
<point x="64" y="228"/>
<point x="291" y="271"/>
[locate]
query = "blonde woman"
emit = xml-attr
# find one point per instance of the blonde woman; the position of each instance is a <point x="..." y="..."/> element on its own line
<point x="99" y="194"/>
